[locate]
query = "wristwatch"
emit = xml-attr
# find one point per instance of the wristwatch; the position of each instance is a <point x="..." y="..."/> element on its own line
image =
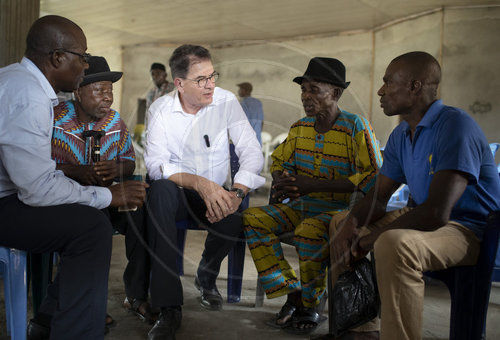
<point x="239" y="193"/>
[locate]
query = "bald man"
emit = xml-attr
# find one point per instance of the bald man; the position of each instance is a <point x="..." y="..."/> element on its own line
<point x="42" y="210"/>
<point x="444" y="157"/>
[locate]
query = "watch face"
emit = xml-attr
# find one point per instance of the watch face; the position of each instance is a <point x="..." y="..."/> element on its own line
<point x="239" y="193"/>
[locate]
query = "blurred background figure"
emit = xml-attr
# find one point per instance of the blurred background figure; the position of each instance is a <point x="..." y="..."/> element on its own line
<point x="162" y="86"/>
<point x="252" y="107"/>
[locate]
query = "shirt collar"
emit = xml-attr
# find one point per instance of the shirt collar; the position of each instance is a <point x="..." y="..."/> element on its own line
<point x="432" y="114"/>
<point x="178" y="106"/>
<point x="47" y="88"/>
<point x="428" y="119"/>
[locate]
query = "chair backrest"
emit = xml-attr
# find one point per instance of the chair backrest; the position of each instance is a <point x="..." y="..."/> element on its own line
<point x="279" y="139"/>
<point x="266" y="137"/>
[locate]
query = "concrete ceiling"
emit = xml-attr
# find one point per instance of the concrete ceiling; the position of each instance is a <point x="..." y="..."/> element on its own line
<point x="173" y="22"/>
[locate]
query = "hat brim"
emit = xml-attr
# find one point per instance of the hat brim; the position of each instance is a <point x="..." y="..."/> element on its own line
<point x="101" y="76"/>
<point x="299" y="81"/>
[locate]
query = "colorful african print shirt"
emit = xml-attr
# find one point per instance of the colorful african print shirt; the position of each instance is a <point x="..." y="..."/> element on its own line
<point x="69" y="147"/>
<point x="349" y="150"/>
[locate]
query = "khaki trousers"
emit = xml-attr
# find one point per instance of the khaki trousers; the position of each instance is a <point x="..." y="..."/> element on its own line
<point x="401" y="256"/>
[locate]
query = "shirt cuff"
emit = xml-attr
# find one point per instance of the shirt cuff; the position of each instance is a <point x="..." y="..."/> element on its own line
<point x="249" y="179"/>
<point x="102" y="197"/>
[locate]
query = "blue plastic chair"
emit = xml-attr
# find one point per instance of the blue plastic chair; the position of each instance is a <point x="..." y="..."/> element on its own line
<point x="236" y="257"/>
<point x="13" y="270"/>
<point x="470" y="287"/>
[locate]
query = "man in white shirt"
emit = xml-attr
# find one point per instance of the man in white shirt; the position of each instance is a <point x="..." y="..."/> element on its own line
<point x="187" y="156"/>
<point x="42" y="210"/>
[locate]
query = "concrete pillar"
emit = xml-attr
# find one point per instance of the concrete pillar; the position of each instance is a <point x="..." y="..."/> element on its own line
<point x="16" y="17"/>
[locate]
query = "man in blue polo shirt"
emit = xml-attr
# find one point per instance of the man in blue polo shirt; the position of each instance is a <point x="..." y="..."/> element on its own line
<point x="443" y="156"/>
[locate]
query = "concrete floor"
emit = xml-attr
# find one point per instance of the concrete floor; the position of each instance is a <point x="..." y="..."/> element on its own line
<point x="242" y="321"/>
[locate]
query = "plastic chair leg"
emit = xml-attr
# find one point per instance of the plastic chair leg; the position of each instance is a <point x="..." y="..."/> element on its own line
<point x="181" y="242"/>
<point x="14" y="273"/>
<point x="236" y="262"/>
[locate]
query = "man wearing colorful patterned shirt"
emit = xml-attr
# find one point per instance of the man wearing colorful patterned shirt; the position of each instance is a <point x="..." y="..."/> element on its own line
<point x="327" y="156"/>
<point x="69" y="147"/>
<point x="91" y="111"/>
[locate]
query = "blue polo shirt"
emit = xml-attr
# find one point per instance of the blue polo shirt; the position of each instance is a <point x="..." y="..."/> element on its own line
<point x="446" y="138"/>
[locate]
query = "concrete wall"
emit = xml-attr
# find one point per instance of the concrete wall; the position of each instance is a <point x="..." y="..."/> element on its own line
<point x="464" y="40"/>
<point x="471" y="68"/>
<point x="419" y="34"/>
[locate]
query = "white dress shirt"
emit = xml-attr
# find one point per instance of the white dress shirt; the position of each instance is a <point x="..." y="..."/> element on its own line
<point x="26" y="120"/>
<point x="198" y="144"/>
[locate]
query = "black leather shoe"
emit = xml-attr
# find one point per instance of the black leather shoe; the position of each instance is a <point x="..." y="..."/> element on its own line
<point x="168" y="323"/>
<point x="210" y="298"/>
<point x="37" y="332"/>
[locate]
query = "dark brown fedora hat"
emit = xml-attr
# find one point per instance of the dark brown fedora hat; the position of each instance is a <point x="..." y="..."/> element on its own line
<point x="99" y="71"/>
<point x="326" y="70"/>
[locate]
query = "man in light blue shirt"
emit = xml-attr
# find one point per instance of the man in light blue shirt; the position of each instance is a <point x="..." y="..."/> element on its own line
<point x="253" y="108"/>
<point x="42" y="210"/>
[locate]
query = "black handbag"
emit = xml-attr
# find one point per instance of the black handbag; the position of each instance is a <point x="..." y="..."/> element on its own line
<point x="355" y="297"/>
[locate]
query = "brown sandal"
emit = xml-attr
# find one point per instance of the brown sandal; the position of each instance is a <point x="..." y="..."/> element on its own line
<point x="141" y="308"/>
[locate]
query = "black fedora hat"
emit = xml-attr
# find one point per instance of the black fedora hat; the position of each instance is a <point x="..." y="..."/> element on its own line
<point x="99" y="71"/>
<point x="326" y="70"/>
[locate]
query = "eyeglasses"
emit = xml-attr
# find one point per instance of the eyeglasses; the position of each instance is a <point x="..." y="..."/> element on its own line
<point x="202" y="81"/>
<point x="85" y="57"/>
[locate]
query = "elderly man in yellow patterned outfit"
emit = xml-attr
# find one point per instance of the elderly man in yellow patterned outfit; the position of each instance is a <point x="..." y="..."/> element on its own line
<point x="326" y="157"/>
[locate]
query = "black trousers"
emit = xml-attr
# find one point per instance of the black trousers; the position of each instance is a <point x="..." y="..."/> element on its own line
<point x="82" y="236"/>
<point x="136" y="274"/>
<point x="166" y="204"/>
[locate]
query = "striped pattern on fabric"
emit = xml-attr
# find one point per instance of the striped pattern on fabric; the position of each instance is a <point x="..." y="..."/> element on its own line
<point x="349" y="150"/>
<point x="69" y="147"/>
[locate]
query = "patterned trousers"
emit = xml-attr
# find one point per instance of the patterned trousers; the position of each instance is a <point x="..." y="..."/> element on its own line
<point x="310" y="227"/>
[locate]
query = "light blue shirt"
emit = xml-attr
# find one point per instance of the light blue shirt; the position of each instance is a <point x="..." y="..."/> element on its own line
<point x="255" y="114"/>
<point x="26" y="167"/>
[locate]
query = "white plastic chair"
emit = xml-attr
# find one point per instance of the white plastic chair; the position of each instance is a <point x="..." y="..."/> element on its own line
<point x="266" y="148"/>
<point x="279" y="139"/>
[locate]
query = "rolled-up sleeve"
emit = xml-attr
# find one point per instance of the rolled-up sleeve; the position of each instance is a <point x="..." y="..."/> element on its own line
<point x="156" y="153"/>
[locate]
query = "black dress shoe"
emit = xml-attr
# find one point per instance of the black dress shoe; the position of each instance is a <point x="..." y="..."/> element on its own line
<point x="37" y="332"/>
<point x="210" y="298"/>
<point x="168" y="323"/>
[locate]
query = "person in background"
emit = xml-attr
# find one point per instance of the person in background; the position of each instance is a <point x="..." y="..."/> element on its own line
<point x="161" y="85"/>
<point x="43" y="210"/>
<point x="253" y="108"/>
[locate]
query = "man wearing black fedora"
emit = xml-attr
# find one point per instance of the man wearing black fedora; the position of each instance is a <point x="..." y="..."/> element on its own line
<point x="78" y="125"/>
<point x="328" y="155"/>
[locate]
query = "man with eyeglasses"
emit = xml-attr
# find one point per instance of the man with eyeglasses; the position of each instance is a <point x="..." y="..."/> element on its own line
<point x="187" y="157"/>
<point x="42" y="210"/>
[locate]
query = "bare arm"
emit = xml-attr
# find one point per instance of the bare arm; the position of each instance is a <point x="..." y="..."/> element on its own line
<point x="102" y="173"/>
<point x="83" y="174"/>
<point x="370" y="209"/>
<point x="294" y="186"/>
<point x="445" y="190"/>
